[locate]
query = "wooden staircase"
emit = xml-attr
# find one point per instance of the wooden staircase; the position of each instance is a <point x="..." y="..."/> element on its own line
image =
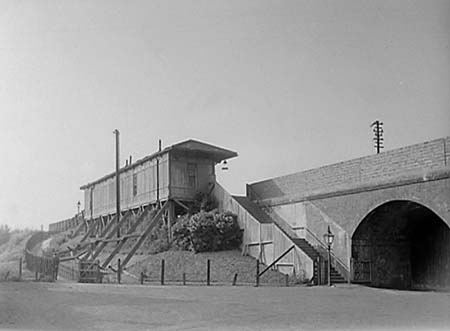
<point x="262" y="216"/>
<point x="309" y="250"/>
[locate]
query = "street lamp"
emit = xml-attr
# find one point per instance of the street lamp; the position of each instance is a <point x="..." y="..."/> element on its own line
<point x="328" y="238"/>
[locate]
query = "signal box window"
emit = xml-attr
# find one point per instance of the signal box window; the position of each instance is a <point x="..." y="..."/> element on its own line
<point x="134" y="185"/>
<point x="192" y="175"/>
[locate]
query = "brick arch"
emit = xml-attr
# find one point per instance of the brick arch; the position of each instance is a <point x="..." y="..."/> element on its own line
<point x="434" y="195"/>
<point x="363" y="214"/>
<point x="405" y="243"/>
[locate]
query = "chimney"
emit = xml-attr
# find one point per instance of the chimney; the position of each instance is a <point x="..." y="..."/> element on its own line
<point x="130" y="160"/>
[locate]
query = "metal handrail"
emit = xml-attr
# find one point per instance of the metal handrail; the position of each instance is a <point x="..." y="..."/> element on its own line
<point x="323" y="245"/>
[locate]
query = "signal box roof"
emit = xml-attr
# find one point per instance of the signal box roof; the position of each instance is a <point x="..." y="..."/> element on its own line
<point x="187" y="147"/>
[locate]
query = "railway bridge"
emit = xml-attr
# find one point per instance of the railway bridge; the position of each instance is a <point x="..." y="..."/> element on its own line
<point x="389" y="212"/>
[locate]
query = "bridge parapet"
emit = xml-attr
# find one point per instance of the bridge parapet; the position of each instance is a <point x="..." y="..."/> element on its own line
<point x="408" y="162"/>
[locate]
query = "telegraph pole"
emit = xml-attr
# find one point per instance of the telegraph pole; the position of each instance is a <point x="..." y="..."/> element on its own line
<point x="116" y="132"/>
<point x="157" y="173"/>
<point x="378" y="131"/>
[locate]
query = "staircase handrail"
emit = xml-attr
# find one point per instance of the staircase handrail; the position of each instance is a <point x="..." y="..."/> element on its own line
<point x="268" y="210"/>
<point x="324" y="246"/>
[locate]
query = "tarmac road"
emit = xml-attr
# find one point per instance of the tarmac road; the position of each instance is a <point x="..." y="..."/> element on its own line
<point x="71" y="306"/>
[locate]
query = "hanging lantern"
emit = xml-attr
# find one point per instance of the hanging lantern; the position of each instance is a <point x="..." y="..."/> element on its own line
<point x="224" y="165"/>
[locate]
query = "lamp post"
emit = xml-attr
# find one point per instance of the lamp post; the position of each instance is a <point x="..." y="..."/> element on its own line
<point x="329" y="238"/>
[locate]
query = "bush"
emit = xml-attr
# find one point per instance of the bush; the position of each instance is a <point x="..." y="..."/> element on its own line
<point x="181" y="234"/>
<point x="158" y="241"/>
<point x="207" y="232"/>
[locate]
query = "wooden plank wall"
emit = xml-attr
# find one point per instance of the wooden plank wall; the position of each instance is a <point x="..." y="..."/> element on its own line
<point x="104" y="193"/>
<point x="180" y="185"/>
<point x="265" y="241"/>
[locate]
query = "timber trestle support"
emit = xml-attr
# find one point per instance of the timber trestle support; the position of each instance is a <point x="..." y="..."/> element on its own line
<point x="130" y="234"/>
<point x="154" y="221"/>
<point x="97" y="250"/>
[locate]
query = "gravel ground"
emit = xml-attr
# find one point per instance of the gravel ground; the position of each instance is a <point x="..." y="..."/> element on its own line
<point x="71" y="306"/>
<point x="224" y="265"/>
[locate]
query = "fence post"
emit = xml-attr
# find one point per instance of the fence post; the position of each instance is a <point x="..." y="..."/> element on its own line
<point x="20" y="269"/>
<point x="162" y="271"/>
<point x="142" y="277"/>
<point x="235" y="279"/>
<point x="184" y="278"/>
<point x="286" y="279"/>
<point x="97" y="271"/>
<point x="257" y="272"/>
<point x="41" y="265"/>
<point x="119" y="271"/>
<point x="208" y="272"/>
<point x="318" y="275"/>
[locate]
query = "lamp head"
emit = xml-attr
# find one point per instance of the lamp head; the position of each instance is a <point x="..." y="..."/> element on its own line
<point x="328" y="237"/>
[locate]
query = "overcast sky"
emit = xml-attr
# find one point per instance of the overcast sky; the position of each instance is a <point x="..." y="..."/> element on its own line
<point x="289" y="85"/>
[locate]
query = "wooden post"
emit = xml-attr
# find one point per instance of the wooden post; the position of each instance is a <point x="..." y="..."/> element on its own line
<point x="157" y="174"/>
<point x="170" y="220"/>
<point x="116" y="132"/>
<point x="97" y="271"/>
<point x="208" y="272"/>
<point x="142" y="278"/>
<point x="119" y="271"/>
<point x="257" y="272"/>
<point x="286" y="279"/>
<point x="20" y="269"/>
<point x="162" y="271"/>
<point x="55" y="266"/>
<point x="235" y="279"/>
<point x="319" y="273"/>
<point x="184" y="278"/>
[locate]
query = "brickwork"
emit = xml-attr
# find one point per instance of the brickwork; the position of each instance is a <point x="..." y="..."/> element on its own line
<point x="423" y="157"/>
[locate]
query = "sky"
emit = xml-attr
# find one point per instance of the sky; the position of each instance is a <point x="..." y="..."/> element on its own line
<point x="289" y="85"/>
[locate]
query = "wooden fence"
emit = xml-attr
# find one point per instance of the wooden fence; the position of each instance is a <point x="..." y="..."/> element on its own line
<point x="45" y="268"/>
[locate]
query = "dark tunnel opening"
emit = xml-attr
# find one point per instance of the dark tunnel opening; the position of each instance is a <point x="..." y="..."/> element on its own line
<point x="402" y="245"/>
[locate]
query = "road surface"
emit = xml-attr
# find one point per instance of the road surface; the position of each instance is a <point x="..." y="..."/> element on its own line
<point x="71" y="306"/>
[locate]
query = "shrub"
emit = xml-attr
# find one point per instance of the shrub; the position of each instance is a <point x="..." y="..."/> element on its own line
<point x="207" y="231"/>
<point x="182" y="234"/>
<point x="157" y="241"/>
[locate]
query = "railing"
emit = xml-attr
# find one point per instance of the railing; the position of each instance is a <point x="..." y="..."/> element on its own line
<point x="289" y="230"/>
<point x="335" y="260"/>
<point x="89" y="272"/>
<point x="42" y="266"/>
<point x="70" y="223"/>
<point x="71" y="273"/>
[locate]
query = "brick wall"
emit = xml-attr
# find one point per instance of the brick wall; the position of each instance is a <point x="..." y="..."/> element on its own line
<point x="395" y="163"/>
